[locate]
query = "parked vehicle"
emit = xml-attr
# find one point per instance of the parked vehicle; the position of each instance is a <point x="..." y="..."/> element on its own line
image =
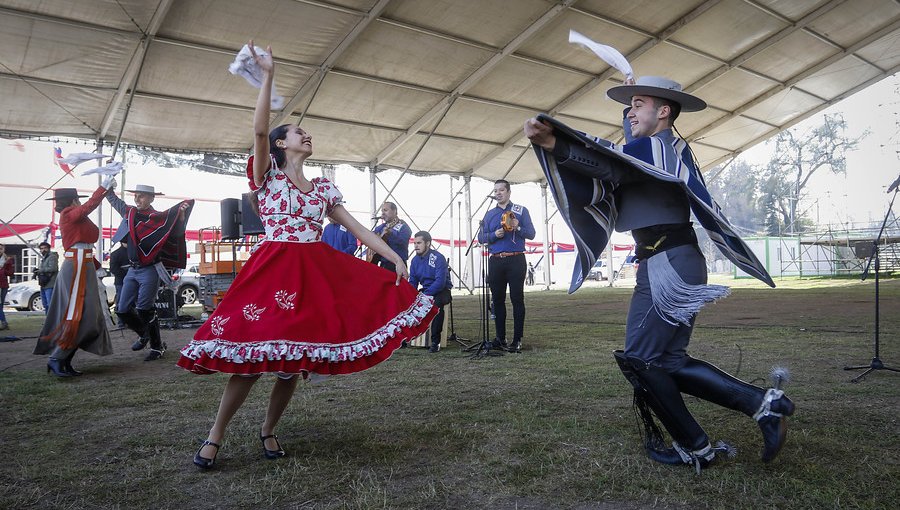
<point x="600" y="271"/>
<point x="26" y="296"/>
<point x="188" y="284"/>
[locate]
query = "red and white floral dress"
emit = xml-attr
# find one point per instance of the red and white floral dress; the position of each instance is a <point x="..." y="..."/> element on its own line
<point x="299" y="305"/>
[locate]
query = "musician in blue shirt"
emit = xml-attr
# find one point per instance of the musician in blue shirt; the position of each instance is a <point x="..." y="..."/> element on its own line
<point x="395" y="232"/>
<point x="338" y="237"/>
<point x="429" y="270"/>
<point x="504" y="230"/>
<point x="671" y="279"/>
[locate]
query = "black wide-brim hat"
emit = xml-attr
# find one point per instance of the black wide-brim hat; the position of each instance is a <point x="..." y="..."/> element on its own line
<point x="65" y="194"/>
<point x="657" y="86"/>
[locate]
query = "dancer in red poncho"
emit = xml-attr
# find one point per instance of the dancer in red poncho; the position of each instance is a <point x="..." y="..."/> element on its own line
<point x="298" y="306"/>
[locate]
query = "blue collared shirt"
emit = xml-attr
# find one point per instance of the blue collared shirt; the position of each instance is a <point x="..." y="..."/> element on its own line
<point x="339" y="238"/>
<point x="398" y="238"/>
<point x="511" y="241"/>
<point x="430" y="271"/>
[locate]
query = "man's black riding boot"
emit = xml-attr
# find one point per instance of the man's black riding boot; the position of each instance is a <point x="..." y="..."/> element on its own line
<point x="767" y="407"/>
<point x="134" y="323"/>
<point x="151" y="321"/>
<point x="655" y="387"/>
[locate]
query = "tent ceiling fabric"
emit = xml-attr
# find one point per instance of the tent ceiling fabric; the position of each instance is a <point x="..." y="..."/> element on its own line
<point x="436" y="86"/>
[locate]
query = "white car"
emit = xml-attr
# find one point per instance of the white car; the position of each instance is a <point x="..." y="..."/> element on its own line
<point x="600" y="271"/>
<point x="26" y="296"/>
<point x="188" y="284"/>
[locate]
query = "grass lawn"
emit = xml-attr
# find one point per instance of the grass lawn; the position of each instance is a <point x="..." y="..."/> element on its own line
<point x="550" y="428"/>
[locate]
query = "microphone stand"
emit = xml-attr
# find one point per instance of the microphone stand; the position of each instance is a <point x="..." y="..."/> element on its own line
<point x="876" y="363"/>
<point x="484" y="347"/>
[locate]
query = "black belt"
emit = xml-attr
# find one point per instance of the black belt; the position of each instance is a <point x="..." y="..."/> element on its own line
<point x="649" y="241"/>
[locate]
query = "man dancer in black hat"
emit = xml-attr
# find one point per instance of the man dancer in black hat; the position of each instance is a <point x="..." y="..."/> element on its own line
<point x="654" y="202"/>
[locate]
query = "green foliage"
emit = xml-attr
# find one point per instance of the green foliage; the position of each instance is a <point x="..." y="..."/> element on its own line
<point x="798" y="156"/>
<point x="767" y="199"/>
<point x="226" y="164"/>
<point x="735" y="189"/>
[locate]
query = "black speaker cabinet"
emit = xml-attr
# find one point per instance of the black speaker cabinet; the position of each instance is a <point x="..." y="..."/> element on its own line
<point x="250" y="222"/>
<point x="230" y="214"/>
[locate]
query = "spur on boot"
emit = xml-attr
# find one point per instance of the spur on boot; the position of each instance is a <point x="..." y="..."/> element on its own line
<point x="203" y="462"/>
<point x="271" y="454"/>
<point x="155" y="354"/>
<point x="677" y="455"/>
<point x="772" y="420"/>
<point x="58" y="367"/>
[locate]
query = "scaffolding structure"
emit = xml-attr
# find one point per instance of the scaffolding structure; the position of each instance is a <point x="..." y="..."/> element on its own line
<point x="835" y="250"/>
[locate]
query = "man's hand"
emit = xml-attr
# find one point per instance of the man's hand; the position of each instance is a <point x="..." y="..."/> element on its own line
<point x="500" y="233"/>
<point x="540" y="134"/>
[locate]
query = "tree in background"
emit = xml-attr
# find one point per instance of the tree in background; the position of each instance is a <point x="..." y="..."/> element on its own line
<point x="217" y="163"/>
<point x="798" y="156"/>
<point x="735" y="190"/>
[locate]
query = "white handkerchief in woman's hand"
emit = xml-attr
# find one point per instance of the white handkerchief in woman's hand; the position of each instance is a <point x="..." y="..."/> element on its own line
<point x="245" y="66"/>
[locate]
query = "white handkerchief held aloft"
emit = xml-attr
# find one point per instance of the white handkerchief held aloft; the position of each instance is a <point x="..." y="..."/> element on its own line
<point x="245" y="66"/>
<point x="609" y="54"/>
<point x="80" y="157"/>
<point x="110" y="170"/>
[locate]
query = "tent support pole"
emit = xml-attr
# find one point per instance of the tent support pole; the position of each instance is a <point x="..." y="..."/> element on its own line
<point x="467" y="194"/>
<point x="546" y="221"/>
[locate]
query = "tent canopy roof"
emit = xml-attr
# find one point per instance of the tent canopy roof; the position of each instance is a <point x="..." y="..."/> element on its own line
<point x="439" y="86"/>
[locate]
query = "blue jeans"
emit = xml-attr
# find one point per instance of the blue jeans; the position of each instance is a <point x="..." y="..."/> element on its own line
<point x="46" y="294"/>
<point x="139" y="289"/>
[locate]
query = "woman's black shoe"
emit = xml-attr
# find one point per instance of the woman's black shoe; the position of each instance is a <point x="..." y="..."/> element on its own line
<point x="203" y="462"/>
<point x="58" y="367"/>
<point x="271" y="454"/>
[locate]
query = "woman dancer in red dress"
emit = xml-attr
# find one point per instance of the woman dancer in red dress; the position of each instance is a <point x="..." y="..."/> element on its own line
<point x="299" y="306"/>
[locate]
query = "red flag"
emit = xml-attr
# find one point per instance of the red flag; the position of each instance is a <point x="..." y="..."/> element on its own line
<point x="57" y="155"/>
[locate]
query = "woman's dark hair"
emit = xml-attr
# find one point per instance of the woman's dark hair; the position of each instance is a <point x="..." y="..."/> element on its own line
<point x="279" y="133"/>
<point x="63" y="203"/>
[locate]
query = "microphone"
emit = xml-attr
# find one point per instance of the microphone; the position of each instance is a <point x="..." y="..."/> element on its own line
<point x="492" y="197"/>
<point x="376" y="217"/>
<point x="894" y="185"/>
